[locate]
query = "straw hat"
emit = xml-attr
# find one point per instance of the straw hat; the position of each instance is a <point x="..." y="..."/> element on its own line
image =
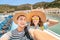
<point x="37" y="13"/>
<point x="18" y="14"/>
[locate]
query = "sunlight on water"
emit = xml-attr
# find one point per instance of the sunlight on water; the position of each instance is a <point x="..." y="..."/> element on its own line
<point x="55" y="28"/>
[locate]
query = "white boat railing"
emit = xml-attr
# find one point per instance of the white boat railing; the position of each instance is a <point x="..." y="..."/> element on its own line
<point x="52" y="34"/>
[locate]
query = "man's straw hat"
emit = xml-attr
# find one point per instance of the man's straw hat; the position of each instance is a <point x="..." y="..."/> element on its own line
<point x="18" y="14"/>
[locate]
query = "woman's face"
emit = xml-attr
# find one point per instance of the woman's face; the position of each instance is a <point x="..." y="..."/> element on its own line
<point x="35" y="19"/>
<point x="21" y="21"/>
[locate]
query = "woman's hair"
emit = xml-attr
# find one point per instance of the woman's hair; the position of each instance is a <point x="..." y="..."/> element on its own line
<point x="40" y="22"/>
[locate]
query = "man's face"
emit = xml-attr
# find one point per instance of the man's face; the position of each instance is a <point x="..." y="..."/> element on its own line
<point x="21" y="21"/>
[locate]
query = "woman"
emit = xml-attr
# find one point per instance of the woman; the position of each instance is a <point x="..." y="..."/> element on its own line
<point x="37" y="20"/>
<point x="21" y="32"/>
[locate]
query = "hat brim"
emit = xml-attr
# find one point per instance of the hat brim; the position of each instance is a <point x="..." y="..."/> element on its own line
<point x="38" y="13"/>
<point x="18" y="14"/>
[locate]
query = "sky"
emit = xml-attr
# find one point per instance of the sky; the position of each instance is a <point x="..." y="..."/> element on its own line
<point x="19" y="2"/>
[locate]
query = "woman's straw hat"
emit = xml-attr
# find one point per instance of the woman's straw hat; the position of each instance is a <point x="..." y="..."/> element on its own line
<point x="18" y="14"/>
<point x="37" y="13"/>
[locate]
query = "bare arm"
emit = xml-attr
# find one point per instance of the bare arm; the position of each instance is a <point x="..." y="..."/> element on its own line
<point x="6" y="36"/>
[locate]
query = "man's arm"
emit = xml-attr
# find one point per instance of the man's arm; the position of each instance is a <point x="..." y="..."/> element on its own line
<point x="6" y="36"/>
